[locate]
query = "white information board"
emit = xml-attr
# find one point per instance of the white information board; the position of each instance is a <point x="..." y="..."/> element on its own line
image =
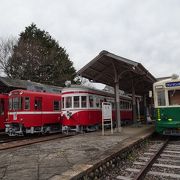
<point x="106" y="110"/>
<point x="107" y="116"/>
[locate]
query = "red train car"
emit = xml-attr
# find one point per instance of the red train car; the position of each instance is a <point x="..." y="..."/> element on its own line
<point x="81" y="108"/>
<point x="3" y="110"/>
<point x="33" y="112"/>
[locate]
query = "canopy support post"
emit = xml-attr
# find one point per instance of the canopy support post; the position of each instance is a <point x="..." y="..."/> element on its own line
<point x="134" y="103"/>
<point x="117" y="100"/>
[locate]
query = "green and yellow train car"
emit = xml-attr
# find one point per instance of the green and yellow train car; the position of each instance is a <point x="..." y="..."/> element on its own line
<point x="167" y="106"/>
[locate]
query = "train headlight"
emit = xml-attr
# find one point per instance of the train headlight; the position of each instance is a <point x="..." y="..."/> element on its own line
<point x="159" y="119"/>
<point x="170" y="119"/>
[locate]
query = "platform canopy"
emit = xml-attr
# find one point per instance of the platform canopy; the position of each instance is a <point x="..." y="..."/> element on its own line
<point x="108" y="68"/>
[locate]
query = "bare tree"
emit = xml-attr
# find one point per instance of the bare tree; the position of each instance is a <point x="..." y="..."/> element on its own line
<point x="6" y="51"/>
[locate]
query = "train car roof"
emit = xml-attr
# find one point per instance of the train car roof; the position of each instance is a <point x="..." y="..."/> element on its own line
<point x="89" y="89"/>
<point x="164" y="81"/>
<point x="34" y="92"/>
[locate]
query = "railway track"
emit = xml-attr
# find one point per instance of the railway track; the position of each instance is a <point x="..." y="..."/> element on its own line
<point x="4" y="138"/>
<point x="14" y="142"/>
<point x="160" y="161"/>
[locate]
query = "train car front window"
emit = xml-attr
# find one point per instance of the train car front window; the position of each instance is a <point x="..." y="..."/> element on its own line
<point x="161" y="98"/>
<point x="17" y="103"/>
<point x="76" y="101"/>
<point x="174" y="97"/>
<point x="10" y="103"/>
<point x="68" y="102"/>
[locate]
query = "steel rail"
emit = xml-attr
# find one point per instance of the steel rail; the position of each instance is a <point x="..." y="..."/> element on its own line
<point x="25" y="142"/>
<point x="145" y="169"/>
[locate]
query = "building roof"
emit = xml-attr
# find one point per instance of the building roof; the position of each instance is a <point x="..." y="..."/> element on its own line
<point x="8" y="84"/>
<point x="102" y="70"/>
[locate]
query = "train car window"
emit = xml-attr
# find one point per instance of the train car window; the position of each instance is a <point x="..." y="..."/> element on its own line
<point x="38" y="104"/>
<point x="63" y="102"/>
<point x="2" y="107"/>
<point x="56" y="105"/>
<point x="17" y="103"/>
<point x="91" y="101"/>
<point x="126" y="105"/>
<point x="101" y="101"/>
<point x="174" y="97"/>
<point x="83" y="101"/>
<point x="97" y="102"/>
<point x="121" y="104"/>
<point x="76" y="101"/>
<point x="68" y="102"/>
<point x="161" y="98"/>
<point x="26" y="103"/>
<point x="10" y="103"/>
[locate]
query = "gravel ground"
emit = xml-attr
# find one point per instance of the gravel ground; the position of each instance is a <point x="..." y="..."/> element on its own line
<point x="128" y="162"/>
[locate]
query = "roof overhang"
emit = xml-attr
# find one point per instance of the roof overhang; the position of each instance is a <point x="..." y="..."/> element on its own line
<point x="102" y="70"/>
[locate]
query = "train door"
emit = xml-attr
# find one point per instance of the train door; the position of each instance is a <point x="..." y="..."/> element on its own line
<point x="38" y="110"/>
<point x="2" y="114"/>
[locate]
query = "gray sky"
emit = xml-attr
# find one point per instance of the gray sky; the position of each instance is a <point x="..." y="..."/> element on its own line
<point x="147" y="31"/>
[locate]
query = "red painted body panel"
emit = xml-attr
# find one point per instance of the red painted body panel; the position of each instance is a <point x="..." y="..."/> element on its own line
<point x="91" y="117"/>
<point x="33" y="117"/>
<point x="4" y="110"/>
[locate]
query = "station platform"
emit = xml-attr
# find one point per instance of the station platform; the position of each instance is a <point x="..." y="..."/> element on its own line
<point x="64" y="158"/>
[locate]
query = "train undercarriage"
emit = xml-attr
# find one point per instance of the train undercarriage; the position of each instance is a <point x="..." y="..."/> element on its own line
<point x="16" y="129"/>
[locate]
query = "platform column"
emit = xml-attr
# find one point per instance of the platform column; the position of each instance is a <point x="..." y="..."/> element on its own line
<point x="118" y="116"/>
<point x="134" y="103"/>
<point x="145" y="108"/>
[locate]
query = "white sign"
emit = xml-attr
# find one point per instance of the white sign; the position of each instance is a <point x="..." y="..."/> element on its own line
<point x="106" y="110"/>
<point x="107" y="116"/>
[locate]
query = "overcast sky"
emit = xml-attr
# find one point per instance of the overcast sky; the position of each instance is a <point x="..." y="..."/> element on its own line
<point x="147" y="31"/>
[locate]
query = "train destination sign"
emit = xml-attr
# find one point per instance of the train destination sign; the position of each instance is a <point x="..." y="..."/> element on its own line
<point x="173" y="84"/>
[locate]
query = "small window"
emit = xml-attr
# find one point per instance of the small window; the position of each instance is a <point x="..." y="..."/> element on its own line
<point x="161" y="98"/>
<point x="26" y="103"/>
<point x="83" y="101"/>
<point x="56" y="105"/>
<point x="121" y="104"/>
<point x="76" y="101"/>
<point x="97" y="102"/>
<point x="1" y="106"/>
<point x="126" y="105"/>
<point x="68" y="102"/>
<point x="101" y="101"/>
<point x="38" y="104"/>
<point x="10" y="103"/>
<point x="174" y="97"/>
<point x="63" y="102"/>
<point x="91" y="101"/>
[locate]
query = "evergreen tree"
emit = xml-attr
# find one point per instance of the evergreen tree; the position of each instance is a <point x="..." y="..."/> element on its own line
<point x="38" y="57"/>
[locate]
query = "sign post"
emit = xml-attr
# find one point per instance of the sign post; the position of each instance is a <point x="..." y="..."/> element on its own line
<point x="107" y="116"/>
